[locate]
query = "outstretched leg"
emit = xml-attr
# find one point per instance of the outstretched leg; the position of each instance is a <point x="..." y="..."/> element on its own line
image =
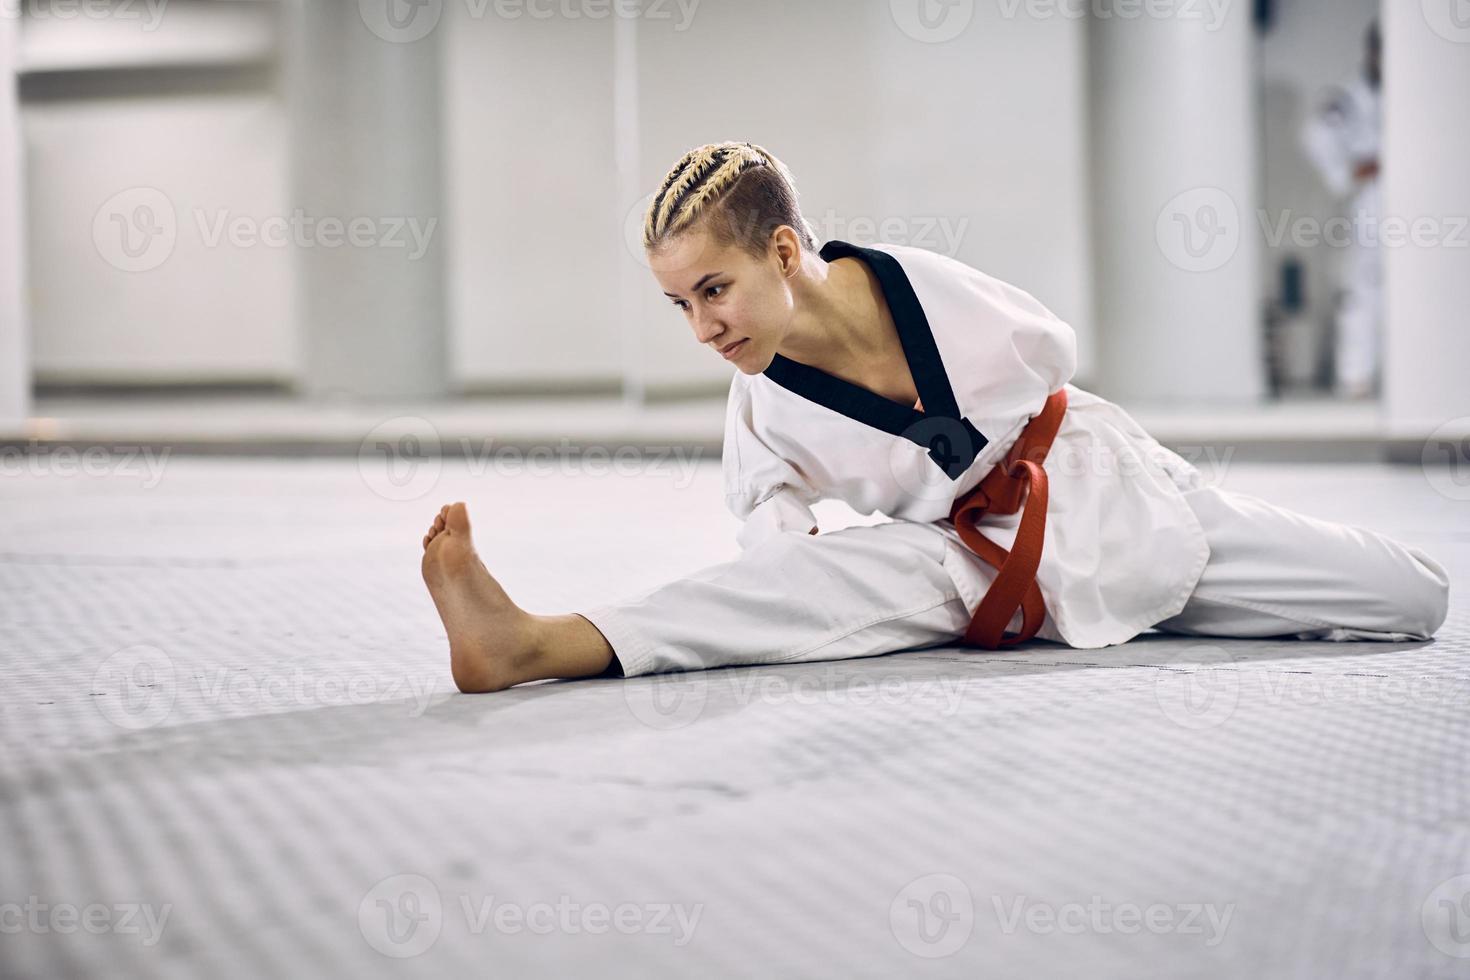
<point x="856" y="592"/>
<point x="1275" y="572"/>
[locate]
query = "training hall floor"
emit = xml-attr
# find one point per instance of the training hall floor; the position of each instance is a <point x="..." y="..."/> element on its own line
<point x="232" y="748"/>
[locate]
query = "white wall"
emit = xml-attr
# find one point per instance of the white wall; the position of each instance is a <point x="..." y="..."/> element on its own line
<point x="799" y="79"/>
<point x="198" y="310"/>
<point x="1427" y="287"/>
<point x="15" y="375"/>
<point x="876" y="125"/>
<point x="1175" y="188"/>
<point x="530" y="211"/>
<point x="115" y="132"/>
<point x="973" y="131"/>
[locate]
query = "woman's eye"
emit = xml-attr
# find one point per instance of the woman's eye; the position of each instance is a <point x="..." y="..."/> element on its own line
<point x="710" y="292"/>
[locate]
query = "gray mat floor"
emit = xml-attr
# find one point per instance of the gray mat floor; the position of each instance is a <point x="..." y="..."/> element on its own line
<point x="232" y="748"/>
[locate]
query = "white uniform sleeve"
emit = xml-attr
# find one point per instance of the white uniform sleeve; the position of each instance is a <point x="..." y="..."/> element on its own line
<point x="1025" y="351"/>
<point x="763" y="489"/>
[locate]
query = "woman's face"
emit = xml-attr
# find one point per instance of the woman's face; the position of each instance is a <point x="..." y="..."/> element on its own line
<point x="727" y="295"/>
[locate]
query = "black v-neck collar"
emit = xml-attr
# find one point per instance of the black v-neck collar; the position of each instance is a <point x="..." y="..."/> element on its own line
<point x="953" y="442"/>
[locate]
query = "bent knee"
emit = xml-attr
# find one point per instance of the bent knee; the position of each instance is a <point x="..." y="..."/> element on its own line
<point x="1426" y="599"/>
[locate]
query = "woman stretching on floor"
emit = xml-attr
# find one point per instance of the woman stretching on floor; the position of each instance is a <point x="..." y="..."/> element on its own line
<point x="905" y="382"/>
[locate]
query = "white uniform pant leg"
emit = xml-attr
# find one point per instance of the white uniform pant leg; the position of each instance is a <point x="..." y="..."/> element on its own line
<point x="1274" y="572"/>
<point x="856" y="592"/>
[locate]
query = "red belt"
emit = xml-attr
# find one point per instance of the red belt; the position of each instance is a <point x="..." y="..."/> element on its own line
<point x="1001" y="493"/>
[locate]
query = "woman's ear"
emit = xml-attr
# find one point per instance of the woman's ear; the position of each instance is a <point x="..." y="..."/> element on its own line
<point x="788" y="250"/>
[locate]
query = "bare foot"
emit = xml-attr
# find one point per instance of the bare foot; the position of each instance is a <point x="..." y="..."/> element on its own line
<point x="492" y="641"/>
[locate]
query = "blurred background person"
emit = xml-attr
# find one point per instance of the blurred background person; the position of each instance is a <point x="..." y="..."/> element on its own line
<point x="1342" y="139"/>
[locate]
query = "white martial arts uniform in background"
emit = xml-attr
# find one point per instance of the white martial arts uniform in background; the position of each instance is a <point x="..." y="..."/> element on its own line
<point x="1341" y="135"/>
<point x="1134" y="538"/>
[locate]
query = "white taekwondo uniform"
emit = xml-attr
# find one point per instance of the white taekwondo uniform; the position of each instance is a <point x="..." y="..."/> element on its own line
<point x="1345" y="132"/>
<point x="1134" y="537"/>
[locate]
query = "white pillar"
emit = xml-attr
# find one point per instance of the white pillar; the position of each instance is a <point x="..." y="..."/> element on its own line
<point x="15" y="356"/>
<point x="1175" y="144"/>
<point x="363" y="86"/>
<point x="1426" y="147"/>
<point x="625" y="161"/>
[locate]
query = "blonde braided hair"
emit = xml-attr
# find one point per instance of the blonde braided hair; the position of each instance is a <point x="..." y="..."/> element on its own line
<point x="751" y="191"/>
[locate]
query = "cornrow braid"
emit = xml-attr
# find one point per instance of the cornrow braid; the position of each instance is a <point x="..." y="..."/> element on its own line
<point x="741" y="183"/>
